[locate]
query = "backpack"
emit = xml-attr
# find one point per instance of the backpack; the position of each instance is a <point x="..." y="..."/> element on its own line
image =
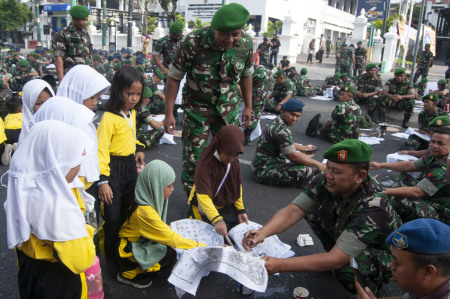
<point x="313" y="126"/>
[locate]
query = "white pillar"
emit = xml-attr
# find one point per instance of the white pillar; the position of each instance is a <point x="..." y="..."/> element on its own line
<point x="360" y="28"/>
<point x="289" y="41"/>
<point x="377" y="47"/>
<point x="158" y="33"/>
<point x="390" y="47"/>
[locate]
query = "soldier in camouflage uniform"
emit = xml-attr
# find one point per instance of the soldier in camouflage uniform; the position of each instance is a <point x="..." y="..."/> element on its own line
<point x="98" y="65"/>
<point x="3" y="97"/>
<point x="338" y="55"/>
<point x="360" y="59"/>
<point x="276" y="146"/>
<point x="109" y="69"/>
<point x="19" y="74"/>
<point x="214" y="59"/>
<point x="35" y="64"/>
<point x="72" y="45"/>
<point x="428" y="196"/>
<point x="157" y="101"/>
<point x="368" y="88"/>
<point x="425" y="62"/>
<point x="349" y="213"/>
<point x="167" y="47"/>
<point x="283" y="91"/>
<point x="344" y="123"/>
<point x="295" y="78"/>
<point x="430" y="111"/>
<point x="331" y="81"/>
<point x="345" y="81"/>
<point x="264" y="52"/>
<point x="421" y="88"/>
<point x="260" y="90"/>
<point x="145" y="119"/>
<point x="397" y="93"/>
<point x="347" y="59"/>
<point x="441" y="92"/>
<point x="304" y="89"/>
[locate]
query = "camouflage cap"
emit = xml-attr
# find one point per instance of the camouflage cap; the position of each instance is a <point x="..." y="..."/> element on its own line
<point x="159" y="74"/>
<point x="424" y="80"/>
<point x="24" y="63"/>
<point x="176" y="28"/>
<point x="351" y="151"/>
<point x="79" y="12"/>
<point x="230" y="17"/>
<point x="371" y="66"/>
<point x="440" y="121"/>
<point x="430" y="97"/>
<point x="304" y="71"/>
<point x="399" y="71"/>
<point x="147" y="92"/>
<point x="425" y="236"/>
<point x="442" y="82"/>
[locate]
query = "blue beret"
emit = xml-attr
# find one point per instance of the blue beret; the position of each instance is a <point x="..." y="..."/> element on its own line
<point x="344" y="45"/>
<point x="139" y="60"/>
<point x="426" y="236"/>
<point x="293" y="105"/>
<point x="119" y="56"/>
<point x="38" y="51"/>
<point x="46" y="49"/>
<point x="292" y="68"/>
<point x="129" y="51"/>
<point x="110" y="58"/>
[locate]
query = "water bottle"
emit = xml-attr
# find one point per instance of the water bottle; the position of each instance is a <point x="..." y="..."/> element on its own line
<point x="94" y="280"/>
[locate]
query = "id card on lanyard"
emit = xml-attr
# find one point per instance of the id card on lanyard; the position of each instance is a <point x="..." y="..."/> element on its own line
<point x="130" y="122"/>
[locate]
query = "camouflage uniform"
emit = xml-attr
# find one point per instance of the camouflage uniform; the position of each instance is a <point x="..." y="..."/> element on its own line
<point x="280" y="91"/>
<point x="346" y="61"/>
<point x="416" y="142"/>
<point x="100" y="68"/>
<point x="264" y="52"/>
<point x="16" y="81"/>
<point x="36" y="65"/>
<point x="358" y="225"/>
<point x="296" y="80"/>
<point x="156" y="105"/>
<point x="74" y="47"/>
<point x="260" y="91"/>
<point x="303" y="89"/>
<point x="270" y="165"/>
<point x="3" y="109"/>
<point x="165" y="50"/>
<point x="336" y="91"/>
<point x="210" y="94"/>
<point x="345" y="122"/>
<point x="425" y="57"/>
<point x="420" y="89"/>
<point x="109" y="71"/>
<point x="360" y="60"/>
<point x="148" y="138"/>
<point x="368" y="85"/>
<point x="404" y="88"/>
<point x="330" y="80"/>
<point x="435" y="183"/>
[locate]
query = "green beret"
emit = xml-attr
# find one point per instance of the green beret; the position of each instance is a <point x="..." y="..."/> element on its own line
<point x="176" y="28"/>
<point x="230" y="17"/>
<point x="346" y="88"/>
<point x="278" y="74"/>
<point x="399" y="71"/>
<point x="159" y="74"/>
<point x="118" y="65"/>
<point x="24" y="63"/>
<point x="442" y="82"/>
<point x="343" y="75"/>
<point x="408" y="75"/>
<point x="15" y="53"/>
<point x="35" y="55"/>
<point x="440" y="121"/>
<point x="351" y="151"/>
<point x="128" y="61"/>
<point x="79" y="12"/>
<point x="371" y="66"/>
<point x="337" y="76"/>
<point x="431" y="97"/>
<point x="140" y="68"/>
<point x="147" y="92"/>
<point x="304" y="71"/>
<point x="424" y="80"/>
<point x="96" y="57"/>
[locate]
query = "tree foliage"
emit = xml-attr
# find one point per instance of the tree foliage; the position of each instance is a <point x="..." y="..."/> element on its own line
<point x="272" y="28"/>
<point x="144" y="7"/>
<point x="197" y="24"/>
<point x="13" y="15"/>
<point x="151" y="24"/>
<point x="165" y="5"/>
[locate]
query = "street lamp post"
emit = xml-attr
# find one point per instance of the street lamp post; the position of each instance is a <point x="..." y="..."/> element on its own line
<point x="104" y="25"/>
<point x="130" y="25"/>
<point x="417" y="43"/>
<point x="38" y="23"/>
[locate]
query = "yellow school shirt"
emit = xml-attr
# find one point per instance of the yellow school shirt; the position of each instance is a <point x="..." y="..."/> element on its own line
<point x="2" y="131"/>
<point x="13" y="121"/>
<point x="145" y="222"/>
<point x="115" y="139"/>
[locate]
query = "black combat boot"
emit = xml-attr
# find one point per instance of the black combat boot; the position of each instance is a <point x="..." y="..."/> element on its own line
<point x="247" y="134"/>
<point x="405" y="121"/>
<point x="373" y="117"/>
<point x="382" y="116"/>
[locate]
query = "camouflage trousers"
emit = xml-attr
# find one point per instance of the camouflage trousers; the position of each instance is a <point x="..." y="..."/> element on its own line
<point x="257" y="108"/>
<point x="359" y="69"/>
<point x="271" y="105"/>
<point x="197" y="123"/>
<point x="373" y="263"/>
<point x="403" y="105"/>
<point x="282" y="173"/>
<point x="156" y="106"/>
<point x="415" y="208"/>
<point x="370" y="101"/>
<point x="150" y="138"/>
<point x="417" y="143"/>
<point x="420" y="72"/>
<point x="337" y="68"/>
<point x="306" y="92"/>
<point x="335" y="133"/>
<point x="346" y="68"/>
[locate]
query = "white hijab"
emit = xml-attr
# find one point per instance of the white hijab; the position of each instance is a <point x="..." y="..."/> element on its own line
<point x="39" y="200"/>
<point x="30" y="93"/>
<point x="81" y="83"/>
<point x="78" y="116"/>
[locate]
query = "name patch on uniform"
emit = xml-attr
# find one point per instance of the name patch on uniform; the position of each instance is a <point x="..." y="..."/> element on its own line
<point x="342" y="155"/>
<point x="400" y="240"/>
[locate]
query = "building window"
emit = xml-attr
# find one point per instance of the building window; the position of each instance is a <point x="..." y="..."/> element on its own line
<point x="338" y="5"/>
<point x="330" y="2"/>
<point x="311" y="26"/>
<point x="351" y="7"/>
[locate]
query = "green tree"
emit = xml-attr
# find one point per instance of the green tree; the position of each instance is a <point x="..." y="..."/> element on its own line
<point x="14" y="15"/>
<point x="197" y="24"/>
<point x="165" y="5"/>
<point x="144" y="7"/>
<point x="151" y="24"/>
<point x="272" y="28"/>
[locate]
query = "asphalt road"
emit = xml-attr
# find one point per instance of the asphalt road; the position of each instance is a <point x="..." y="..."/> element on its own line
<point x="261" y="203"/>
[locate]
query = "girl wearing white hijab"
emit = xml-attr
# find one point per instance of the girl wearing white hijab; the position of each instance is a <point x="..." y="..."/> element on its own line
<point x="44" y="222"/>
<point x="34" y="94"/>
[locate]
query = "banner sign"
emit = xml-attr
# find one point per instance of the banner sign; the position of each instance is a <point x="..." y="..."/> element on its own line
<point x="204" y="10"/>
<point x="429" y="37"/>
<point x="374" y="9"/>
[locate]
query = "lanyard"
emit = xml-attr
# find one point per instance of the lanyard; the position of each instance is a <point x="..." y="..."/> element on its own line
<point x="130" y="122"/>
<point x="216" y="154"/>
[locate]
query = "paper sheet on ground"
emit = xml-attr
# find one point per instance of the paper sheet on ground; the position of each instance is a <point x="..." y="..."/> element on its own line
<point x="371" y="140"/>
<point x="401" y="135"/>
<point x="420" y="135"/>
<point x="321" y="98"/>
<point x="167" y="139"/>
<point x="243" y="267"/>
<point x="267" y="116"/>
<point x="272" y="246"/>
<point x="256" y="132"/>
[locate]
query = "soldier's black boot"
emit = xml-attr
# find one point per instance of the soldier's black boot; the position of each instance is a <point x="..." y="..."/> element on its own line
<point x="405" y="121"/>
<point x="382" y="116"/>
<point x="247" y="134"/>
<point x="373" y="117"/>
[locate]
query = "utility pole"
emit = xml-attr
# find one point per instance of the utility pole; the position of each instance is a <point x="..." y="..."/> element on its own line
<point x="385" y="16"/>
<point x="407" y="32"/>
<point x="418" y="43"/>
<point x="104" y="25"/>
<point x="38" y="23"/>
<point x="130" y="24"/>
